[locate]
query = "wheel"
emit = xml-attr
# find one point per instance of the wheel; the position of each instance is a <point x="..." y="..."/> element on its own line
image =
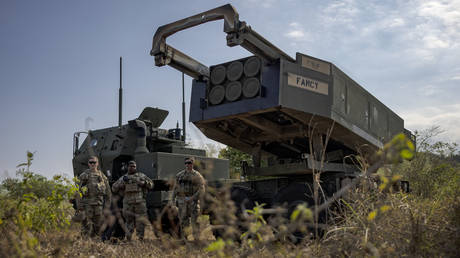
<point x="295" y="192"/>
<point x="244" y="198"/>
<point x="293" y="195"/>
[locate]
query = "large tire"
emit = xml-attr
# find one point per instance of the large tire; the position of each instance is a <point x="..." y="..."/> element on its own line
<point x="295" y="192"/>
<point x="293" y="195"/>
<point x="244" y="198"/>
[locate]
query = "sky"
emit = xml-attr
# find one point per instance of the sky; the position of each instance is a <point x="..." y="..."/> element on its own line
<point x="59" y="62"/>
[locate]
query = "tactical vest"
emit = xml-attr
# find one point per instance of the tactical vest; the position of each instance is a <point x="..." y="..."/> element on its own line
<point x="96" y="188"/>
<point x="188" y="183"/>
<point x="133" y="192"/>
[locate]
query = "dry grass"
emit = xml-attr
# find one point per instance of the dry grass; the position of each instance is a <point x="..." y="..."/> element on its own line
<point x="406" y="227"/>
<point x="368" y="222"/>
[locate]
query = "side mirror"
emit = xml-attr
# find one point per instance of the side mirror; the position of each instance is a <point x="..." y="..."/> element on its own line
<point x="76" y="142"/>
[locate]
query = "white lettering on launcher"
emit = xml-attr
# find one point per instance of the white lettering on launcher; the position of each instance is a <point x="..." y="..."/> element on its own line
<point x="308" y="84"/>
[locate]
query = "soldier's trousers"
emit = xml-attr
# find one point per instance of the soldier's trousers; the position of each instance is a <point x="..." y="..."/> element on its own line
<point x="187" y="211"/>
<point x="136" y="217"/>
<point x="92" y="222"/>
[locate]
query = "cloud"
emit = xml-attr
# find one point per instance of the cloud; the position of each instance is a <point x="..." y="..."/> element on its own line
<point x="395" y="22"/>
<point x="296" y="32"/>
<point x="446" y="116"/>
<point x="438" y="24"/>
<point x="433" y="42"/>
<point x="429" y="90"/>
<point x="342" y="11"/>
<point x="448" y="12"/>
<point x="264" y="4"/>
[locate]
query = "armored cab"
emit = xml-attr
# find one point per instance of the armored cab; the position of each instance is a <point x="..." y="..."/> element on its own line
<point x="159" y="153"/>
<point x="294" y="116"/>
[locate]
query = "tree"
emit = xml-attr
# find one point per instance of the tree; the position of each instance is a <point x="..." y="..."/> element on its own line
<point x="434" y="171"/>
<point x="235" y="157"/>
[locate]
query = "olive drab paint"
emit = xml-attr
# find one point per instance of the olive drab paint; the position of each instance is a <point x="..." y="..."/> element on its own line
<point x="158" y="152"/>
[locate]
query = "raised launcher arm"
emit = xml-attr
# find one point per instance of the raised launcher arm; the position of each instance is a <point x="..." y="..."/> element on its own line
<point x="238" y="33"/>
<point x="277" y="108"/>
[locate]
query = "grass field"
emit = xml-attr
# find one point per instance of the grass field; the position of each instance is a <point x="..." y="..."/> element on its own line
<point x="35" y="221"/>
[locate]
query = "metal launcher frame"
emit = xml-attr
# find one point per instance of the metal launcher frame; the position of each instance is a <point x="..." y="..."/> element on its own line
<point x="275" y="106"/>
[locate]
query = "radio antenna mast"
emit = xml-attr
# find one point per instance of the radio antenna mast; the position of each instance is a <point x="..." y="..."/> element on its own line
<point x="183" y="109"/>
<point x="120" y="97"/>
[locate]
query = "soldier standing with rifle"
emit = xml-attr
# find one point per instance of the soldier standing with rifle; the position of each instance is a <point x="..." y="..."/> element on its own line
<point x="96" y="195"/>
<point x="134" y="187"/>
<point x="188" y="189"/>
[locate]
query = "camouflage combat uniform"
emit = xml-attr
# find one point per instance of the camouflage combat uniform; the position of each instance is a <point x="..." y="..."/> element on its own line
<point x="134" y="188"/>
<point x="96" y="195"/>
<point x="188" y="189"/>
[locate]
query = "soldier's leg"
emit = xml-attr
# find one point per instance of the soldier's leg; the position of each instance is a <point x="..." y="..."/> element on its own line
<point x="195" y="213"/>
<point x="93" y="220"/>
<point x="129" y="216"/>
<point x="85" y="223"/>
<point x="141" y="219"/>
<point x="97" y="219"/>
<point x="183" y="218"/>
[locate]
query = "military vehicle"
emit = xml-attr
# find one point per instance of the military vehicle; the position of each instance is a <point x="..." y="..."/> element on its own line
<point x="294" y="116"/>
<point x="159" y="154"/>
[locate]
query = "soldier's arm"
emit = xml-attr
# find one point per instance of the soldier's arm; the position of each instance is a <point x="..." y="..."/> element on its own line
<point x="201" y="188"/>
<point x="117" y="185"/>
<point x="174" y="194"/>
<point x="148" y="183"/>
<point x="108" y="191"/>
<point x="82" y="179"/>
<point x="82" y="182"/>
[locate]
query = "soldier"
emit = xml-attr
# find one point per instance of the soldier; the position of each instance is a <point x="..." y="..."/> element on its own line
<point x="134" y="187"/>
<point x="96" y="196"/>
<point x="188" y="189"/>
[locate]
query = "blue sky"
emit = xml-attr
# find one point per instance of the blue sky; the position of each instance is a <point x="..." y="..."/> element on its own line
<point x="59" y="62"/>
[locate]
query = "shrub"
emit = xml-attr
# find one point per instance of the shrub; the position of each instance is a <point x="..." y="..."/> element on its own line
<point x="32" y="205"/>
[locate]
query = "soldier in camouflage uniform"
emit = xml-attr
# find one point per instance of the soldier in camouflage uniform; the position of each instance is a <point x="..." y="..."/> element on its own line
<point x="96" y="196"/>
<point x="134" y="187"/>
<point x="188" y="189"/>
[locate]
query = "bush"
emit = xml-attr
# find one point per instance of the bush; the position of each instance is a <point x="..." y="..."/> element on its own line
<point x="433" y="173"/>
<point x="32" y="205"/>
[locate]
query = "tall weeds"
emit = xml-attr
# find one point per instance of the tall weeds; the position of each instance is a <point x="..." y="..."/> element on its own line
<point x="376" y="221"/>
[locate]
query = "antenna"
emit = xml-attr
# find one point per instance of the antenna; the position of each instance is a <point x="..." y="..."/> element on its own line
<point x="120" y="97"/>
<point x="183" y="108"/>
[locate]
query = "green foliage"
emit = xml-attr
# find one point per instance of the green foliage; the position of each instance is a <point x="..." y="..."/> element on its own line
<point x="26" y="165"/>
<point x="219" y="246"/>
<point x="235" y="158"/>
<point x="373" y="221"/>
<point x="432" y="173"/>
<point x="32" y="204"/>
<point x="301" y="212"/>
<point x="399" y="148"/>
<point x="258" y="231"/>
